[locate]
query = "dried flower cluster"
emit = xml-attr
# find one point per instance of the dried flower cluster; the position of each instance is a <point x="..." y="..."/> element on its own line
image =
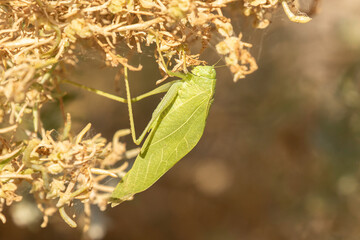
<point x="37" y="39"/>
<point x="262" y="9"/>
<point x="61" y="170"/>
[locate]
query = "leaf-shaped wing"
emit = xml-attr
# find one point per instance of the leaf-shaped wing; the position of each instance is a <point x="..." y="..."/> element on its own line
<point x="175" y="135"/>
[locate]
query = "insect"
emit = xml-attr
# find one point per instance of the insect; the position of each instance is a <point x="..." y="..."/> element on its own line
<point x="176" y="126"/>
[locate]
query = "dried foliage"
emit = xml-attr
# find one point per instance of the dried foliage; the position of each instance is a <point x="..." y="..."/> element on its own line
<point x="38" y="36"/>
<point x="61" y="170"/>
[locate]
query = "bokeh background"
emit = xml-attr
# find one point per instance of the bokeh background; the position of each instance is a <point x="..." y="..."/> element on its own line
<point x="280" y="154"/>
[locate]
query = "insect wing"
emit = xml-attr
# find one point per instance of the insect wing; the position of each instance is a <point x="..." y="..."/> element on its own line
<point x="173" y="137"/>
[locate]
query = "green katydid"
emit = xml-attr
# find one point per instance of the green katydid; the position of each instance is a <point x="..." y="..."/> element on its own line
<point x="176" y="126"/>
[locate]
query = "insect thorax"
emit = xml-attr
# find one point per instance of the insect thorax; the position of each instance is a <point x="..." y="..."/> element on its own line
<point x="204" y="71"/>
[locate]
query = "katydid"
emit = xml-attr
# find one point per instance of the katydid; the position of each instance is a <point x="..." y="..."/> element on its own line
<point x="176" y="126"/>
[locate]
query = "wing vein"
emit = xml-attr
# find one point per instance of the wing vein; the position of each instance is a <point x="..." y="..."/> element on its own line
<point x="181" y="124"/>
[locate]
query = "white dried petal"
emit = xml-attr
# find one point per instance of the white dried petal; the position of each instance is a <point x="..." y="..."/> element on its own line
<point x="147" y="3"/>
<point x="224" y="28"/>
<point x="2" y="194"/>
<point x="55" y="168"/>
<point x="9" y="187"/>
<point x="231" y="59"/>
<point x="78" y="27"/>
<point x="257" y="2"/>
<point x="222" y="48"/>
<point x="261" y="24"/>
<point x="56" y="188"/>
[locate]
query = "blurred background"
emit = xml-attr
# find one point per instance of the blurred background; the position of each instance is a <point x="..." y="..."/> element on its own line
<point x="279" y="158"/>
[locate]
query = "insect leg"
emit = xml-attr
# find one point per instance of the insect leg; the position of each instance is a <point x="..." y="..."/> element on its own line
<point x="161" y="89"/>
<point x="165" y="103"/>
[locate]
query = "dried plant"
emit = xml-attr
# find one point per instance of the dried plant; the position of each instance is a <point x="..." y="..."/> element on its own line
<point x="63" y="169"/>
<point x="37" y="40"/>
